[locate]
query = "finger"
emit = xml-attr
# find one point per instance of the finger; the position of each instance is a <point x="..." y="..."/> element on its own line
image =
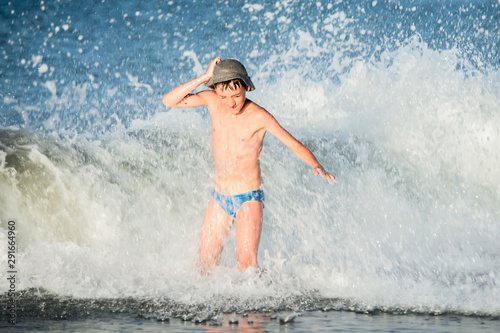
<point x="329" y="177"/>
<point x="332" y="179"/>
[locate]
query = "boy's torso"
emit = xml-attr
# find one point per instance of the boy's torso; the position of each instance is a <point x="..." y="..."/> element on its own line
<point x="236" y="145"/>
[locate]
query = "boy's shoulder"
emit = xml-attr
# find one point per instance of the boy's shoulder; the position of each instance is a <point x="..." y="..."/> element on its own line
<point x="258" y="110"/>
<point x="259" y="115"/>
<point x="207" y="93"/>
<point x="209" y="96"/>
<point x="255" y="107"/>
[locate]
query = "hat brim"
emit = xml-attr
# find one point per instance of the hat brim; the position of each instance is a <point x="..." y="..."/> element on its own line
<point x="223" y="77"/>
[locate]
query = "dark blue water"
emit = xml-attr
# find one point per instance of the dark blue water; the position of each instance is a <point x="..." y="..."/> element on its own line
<point x="86" y="45"/>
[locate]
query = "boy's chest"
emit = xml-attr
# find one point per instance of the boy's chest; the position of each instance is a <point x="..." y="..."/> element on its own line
<point x="234" y="133"/>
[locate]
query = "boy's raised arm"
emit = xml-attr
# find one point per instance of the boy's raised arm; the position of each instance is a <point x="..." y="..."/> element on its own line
<point x="181" y="96"/>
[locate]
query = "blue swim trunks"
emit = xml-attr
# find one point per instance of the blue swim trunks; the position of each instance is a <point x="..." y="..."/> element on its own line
<point x="231" y="203"/>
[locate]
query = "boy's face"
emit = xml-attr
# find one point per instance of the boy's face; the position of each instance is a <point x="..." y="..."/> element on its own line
<point x="232" y="99"/>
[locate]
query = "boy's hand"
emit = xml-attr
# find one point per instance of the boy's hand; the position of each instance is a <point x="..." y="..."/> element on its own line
<point x="319" y="170"/>
<point x="210" y="70"/>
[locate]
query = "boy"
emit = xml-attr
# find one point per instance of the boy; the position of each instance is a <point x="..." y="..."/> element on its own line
<point x="238" y="129"/>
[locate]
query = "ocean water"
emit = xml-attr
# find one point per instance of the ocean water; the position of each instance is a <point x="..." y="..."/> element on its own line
<point x="106" y="188"/>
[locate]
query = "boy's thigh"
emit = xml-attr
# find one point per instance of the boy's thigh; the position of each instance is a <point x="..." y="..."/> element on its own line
<point x="215" y="219"/>
<point x="249" y="220"/>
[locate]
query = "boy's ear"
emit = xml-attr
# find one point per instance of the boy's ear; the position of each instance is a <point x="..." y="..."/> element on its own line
<point x="248" y="88"/>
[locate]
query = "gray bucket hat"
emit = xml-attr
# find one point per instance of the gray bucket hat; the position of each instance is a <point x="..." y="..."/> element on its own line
<point x="227" y="70"/>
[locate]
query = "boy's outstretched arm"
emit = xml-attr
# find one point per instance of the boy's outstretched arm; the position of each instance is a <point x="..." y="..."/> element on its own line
<point x="298" y="148"/>
<point x="180" y="97"/>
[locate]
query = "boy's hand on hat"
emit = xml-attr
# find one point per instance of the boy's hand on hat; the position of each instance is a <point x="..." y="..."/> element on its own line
<point x="210" y="70"/>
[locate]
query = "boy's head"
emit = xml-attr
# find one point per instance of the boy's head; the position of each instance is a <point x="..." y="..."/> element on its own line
<point x="230" y="73"/>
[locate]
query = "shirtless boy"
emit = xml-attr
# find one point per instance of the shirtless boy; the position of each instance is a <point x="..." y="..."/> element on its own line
<point x="238" y="129"/>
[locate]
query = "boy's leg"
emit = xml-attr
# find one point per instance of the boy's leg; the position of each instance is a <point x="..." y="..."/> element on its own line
<point x="214" y="231"/>
<point x="248" y="229"/>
